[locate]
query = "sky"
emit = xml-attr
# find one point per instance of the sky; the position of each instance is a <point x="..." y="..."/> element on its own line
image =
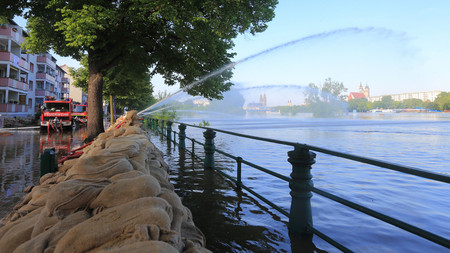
<point x="392" y="46"/>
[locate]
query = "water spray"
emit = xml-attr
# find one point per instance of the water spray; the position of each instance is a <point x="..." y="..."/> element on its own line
<point x="354" y="30"/>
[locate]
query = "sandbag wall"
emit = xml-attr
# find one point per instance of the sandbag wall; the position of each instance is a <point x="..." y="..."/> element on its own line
<point x="116" y="197"/>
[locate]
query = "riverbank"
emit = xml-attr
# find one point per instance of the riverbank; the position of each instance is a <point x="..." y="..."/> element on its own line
<point x="116" y="197"/>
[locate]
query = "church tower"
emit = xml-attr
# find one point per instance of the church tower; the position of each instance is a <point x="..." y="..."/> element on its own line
<point x="361" y="90"/>
<point x="264" y="100"/>
<point x="367" y="91"/>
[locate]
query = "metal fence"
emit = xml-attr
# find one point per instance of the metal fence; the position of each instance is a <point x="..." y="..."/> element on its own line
<point x="300" y="183"/>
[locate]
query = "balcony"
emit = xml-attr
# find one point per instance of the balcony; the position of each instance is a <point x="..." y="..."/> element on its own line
<point x="8" y="82"/>
<point x="12" y="32"/>
<point x="65" y="80"/>
<point x="13" y="108"/>
<point x="44" y="59"/>
<point x="14" y="59"/>
<point x="42" y="93"/>
<point x="45" y="76"/>
<point x="64" y="90"/>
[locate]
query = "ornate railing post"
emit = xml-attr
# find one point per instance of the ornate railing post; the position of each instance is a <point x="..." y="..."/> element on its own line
<point x="169" y="130"/>
<point x="182" y="136"/>
<point x="300" y="217"/>
<point x="209" y="149"/>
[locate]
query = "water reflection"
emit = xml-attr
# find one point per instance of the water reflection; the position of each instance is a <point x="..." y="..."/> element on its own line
<point x="19" y="160"/>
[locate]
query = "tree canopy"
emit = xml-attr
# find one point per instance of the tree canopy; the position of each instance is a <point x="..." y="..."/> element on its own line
<point x="326" y="100"/>
<point x="181" y="40"/>
<point x="129" y="85"/>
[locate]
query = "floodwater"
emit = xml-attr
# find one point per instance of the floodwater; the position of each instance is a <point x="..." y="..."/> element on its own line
<point x="235" y="221"/>
<point x="19" y="160"/>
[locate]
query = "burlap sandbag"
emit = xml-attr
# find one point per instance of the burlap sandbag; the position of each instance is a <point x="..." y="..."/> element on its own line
<point x="18" y="232"/>
<point x="46" y="241"/>
<point x="179" y="214"/>
<point x="129" y="188"/>
<point x="130" y="174"/>
<point x="43" y="222"/>
<point x="111" y="223"/>
<point x="101" y="166"/>
<point x="72" y="195"/>
<point x="190" y="232"/>
<point x="143" y="247"/>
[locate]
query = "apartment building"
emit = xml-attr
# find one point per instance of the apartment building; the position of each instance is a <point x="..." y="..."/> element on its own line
<point x="75" y="93"/>
<point x="26" y="79"/>
<point x="16" y="72"/>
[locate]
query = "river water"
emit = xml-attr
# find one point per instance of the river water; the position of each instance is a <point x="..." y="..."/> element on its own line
<point x="235" y="221"/>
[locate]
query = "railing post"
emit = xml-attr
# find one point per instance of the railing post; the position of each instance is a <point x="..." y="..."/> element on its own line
<point x="174" y="137"/>
<point x="209" y="149"/>
<point x="182" y="136"/>
<point x="300" y="217"/>
<point x="169" y="130"/>
<point x="48" y="161"/>
<point x="193" y="147"/>
<point x="162" y="127"/>
<point x="239" y="171"/>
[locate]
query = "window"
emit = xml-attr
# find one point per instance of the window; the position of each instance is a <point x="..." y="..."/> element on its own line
<point x="32" y="67"/>
<point x="41" y="68"/>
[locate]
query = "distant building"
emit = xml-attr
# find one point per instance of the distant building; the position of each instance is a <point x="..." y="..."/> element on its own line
<point x="75" y="93"/>
<point x="199" y="102"/>
<point x="263" y="100"/>
<point x="261" y="106"/>
<point x="423" y="95"/>
<point x="363" y="93"/>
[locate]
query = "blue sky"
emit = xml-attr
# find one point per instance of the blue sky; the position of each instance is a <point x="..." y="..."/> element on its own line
<point x="393" y="46"/>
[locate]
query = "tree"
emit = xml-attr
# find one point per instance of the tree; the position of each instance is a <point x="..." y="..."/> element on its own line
<point x="11" y="8"/>
<point x="443" y="100"/>
<point x="387" y="102"/>
<point x="359" y="105"/>
<point x="412" y="103"/>
<point x="129" y="84"/>
<point x="181" y="40"/>
<point x="326" y="100"/>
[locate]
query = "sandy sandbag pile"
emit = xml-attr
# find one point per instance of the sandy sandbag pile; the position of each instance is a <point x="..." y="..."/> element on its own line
<point x="116" y="197"/>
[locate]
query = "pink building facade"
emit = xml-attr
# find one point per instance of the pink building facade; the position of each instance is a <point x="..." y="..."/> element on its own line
<point x="25" y="79"/>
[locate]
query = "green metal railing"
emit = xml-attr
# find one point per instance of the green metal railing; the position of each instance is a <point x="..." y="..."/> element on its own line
<point x="300" y="183"/>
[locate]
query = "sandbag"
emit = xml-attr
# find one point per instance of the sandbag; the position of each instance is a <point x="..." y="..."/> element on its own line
<point x="110" y="224"/>
<point x="101" y="166"/>
<point x="143" y="247"/>
<point x="129" y="188"/>
<point x="46" y="241"/>
<point x="18" y="232"/>
<point x="72" y="195"/>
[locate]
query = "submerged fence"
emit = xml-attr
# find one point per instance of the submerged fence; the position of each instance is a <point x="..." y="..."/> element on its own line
<point x="300" y="183"/>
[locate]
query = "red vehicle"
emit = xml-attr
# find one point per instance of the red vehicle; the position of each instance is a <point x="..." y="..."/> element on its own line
<point x="79" y="113"/>
<point x="56" y="114"/>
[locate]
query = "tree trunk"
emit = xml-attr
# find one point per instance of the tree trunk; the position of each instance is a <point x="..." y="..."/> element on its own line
<point x="95" y="101"/>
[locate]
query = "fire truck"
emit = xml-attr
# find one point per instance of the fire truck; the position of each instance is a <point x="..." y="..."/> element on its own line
<point x="79" y="113"/>
<point x="56" y="114"/>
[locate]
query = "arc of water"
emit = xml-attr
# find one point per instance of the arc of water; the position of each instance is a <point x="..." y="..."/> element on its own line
<point x="231" y="65"/>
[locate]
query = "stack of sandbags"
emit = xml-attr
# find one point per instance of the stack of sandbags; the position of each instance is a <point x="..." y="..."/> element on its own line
<point x="116" y="197"/>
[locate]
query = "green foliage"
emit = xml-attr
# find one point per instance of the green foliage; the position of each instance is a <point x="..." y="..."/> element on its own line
<point x="291" y="110"/>
<point x="326" y="100"/>
<point x="204" y="123"/>
<point x="181" y="40"/>
<point x="166" y="115"/>
<point x="130" y="86"/>
<point x="360" y="105"/>
<point x="11" y="8"/>
<point x="443" y="100"/>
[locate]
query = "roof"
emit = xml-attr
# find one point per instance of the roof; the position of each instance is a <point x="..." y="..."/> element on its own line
<point x="356" y="95"/>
